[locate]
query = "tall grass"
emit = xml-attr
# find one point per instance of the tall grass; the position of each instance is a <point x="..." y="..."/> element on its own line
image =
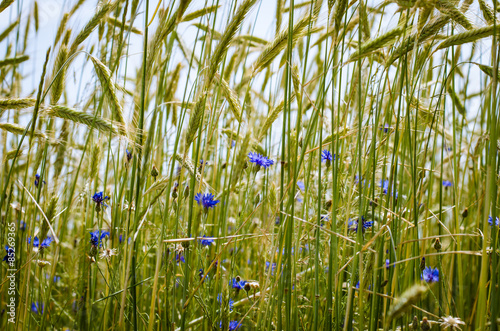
<point x="174" y="167"/>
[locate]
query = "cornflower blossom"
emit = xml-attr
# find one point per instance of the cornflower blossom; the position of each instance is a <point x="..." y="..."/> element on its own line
<point x="447" y="183"/>
<point x="231" y="301"/>
<point x="233" y="325"/>
<point x="37" y="180"/>
<point x="326" y="156"/>
<point x="206" y="241"/>
<point x="206" y="200"/>
<point x="99" y="199"/>
<point x="37" y="308"/>
<point x="9" y="253"/>
<point x="260" y="160"/>
<point x="97" y="236"/>
<point x="352" y="225"/>
<point x="490" y="221"/>
<point x="239" y="285"/>
<point x="430" y="275"/>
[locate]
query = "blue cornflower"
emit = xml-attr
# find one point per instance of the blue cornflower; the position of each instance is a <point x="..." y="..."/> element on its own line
<point x="233" y="325"/>
<point x="384" y="184"/>
<point x="37" y="180"/>
<point x="430" y="275"/>
<point x="22" y="225"/>
<point x="260" y="160"/>
<point x="208" y="241"/>
<point x="179" y="258"/>
<point x="385" y="128"/>
<point x="231" y="302"/>
<point x="352" y="225"/>
<point x="99" y="199"/>
<point x="301" y="186"/>
<point x="9" y="253"/>
<point x="273" y="267"/>
<point x="239" y="285"/>
<point x="56" y="279"/>
<point x="129" y="155"/>
<point x="326" y="156"/>
<point x="37" y="308"/>
<point x="206" y="200"/>
<point x="490" y="221"/>
<point x="202" y="273"/>
<point x="36" y="242"/>
<point x="97" y="236"/>
<point x="46" y="242"/>
<point x="447" y="183"/>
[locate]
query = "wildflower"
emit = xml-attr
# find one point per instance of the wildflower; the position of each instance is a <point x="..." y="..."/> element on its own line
<point x="202" y="273"/>
<point x="451" y="322"/>
<point x="108" y="253"/>
<point x="447" y="183"/>
<point x="129" y="155"/>
<point x="206" y="200"/>
<point x="384" y="184"/>
<point x="42" y="263"/>
<point x="208" y="241"/>
<point x="430" y="275"/>
<point x="273" y="267"/>
<point x="231" y="301"/>
<point x="326" y="156"/>
<point x="233" y="325"/>
<point x="99" y="200"/>
<point x="387" y="263"/>
<point x="36" y="242"/>
<point x="386" y="128"/>
<point x="490" y="221"/>
<point x="56" y="279"/>
<point x="238" y="284"/>
<point x="22" y="226"/>
<point x="301" y="186"/>
<point x="37" y="180"/>
<point x="260" y="160"/>
<point x="179" y="258"/>
<point x="353" y="224"/>
<point x="97" y="236"/>
<point x="9" y="254"/>
<point x="37" y="308"/>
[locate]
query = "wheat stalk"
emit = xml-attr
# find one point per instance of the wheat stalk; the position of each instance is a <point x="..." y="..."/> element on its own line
<point x="92" y="24"/>
<point x="81" y="117"/>
<point x="467" y="37"/>
<point x="20" y="130"/>
<point x="16" y="104"/>
<point x="14" y="60"/>
<point x="108" y="86"/>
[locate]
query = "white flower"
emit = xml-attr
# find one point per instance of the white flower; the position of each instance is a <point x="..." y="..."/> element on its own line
<point x="108" y="253"/>
<point x="179" y="249"/>
<point x="451" y="322"/>
<point x="42" y="263"/>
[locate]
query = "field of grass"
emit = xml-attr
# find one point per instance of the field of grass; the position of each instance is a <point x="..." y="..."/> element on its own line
<point x="176" y="165"/>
